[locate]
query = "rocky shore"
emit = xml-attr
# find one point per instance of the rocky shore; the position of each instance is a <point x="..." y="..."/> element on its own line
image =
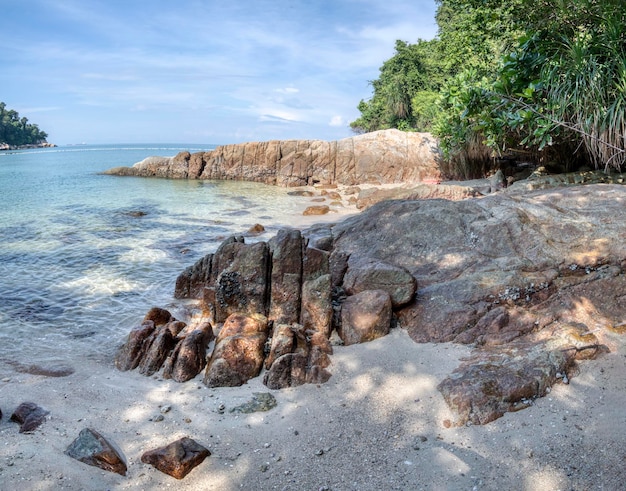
<point x="6" y="146"/>
<point x="464" y="343"/>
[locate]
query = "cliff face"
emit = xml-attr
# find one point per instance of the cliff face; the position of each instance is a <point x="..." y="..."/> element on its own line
<point x="386" y="157"/>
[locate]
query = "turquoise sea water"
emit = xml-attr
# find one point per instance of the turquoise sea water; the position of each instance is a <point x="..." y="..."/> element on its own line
<point x="83" y="256"/>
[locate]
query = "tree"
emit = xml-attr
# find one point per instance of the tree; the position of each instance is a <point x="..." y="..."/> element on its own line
<point x="16" y="131"/>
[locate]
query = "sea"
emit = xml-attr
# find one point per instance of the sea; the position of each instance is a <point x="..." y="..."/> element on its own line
<point x="83" y="256"/>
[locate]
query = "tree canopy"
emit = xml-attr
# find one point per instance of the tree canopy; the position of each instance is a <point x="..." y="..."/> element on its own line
<point x="543" y="78"/>
<point x="18" y="131"/>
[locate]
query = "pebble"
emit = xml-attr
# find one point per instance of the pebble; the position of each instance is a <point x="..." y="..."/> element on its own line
<point x="166" y="409"/>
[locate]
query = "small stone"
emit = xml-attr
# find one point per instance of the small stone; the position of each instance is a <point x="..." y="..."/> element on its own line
<point x="264" y="467"/>
<point x="158" y="418"/>
<point x="319" y="452"/>
<point x="91" y="448"/>
<point x="29" y="416"/>
<point x="447" y="423"/>
<point x="178" y="458"/>
<point x="166" y="409"/>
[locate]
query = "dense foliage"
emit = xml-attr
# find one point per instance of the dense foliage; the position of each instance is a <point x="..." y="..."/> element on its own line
<point x="18" y="131"/>
<point x="546" y="79"/>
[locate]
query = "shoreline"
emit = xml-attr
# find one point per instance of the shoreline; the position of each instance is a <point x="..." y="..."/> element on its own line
<point x="6" y="147"/>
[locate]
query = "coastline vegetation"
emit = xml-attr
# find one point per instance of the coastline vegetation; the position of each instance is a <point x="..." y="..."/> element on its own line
<point x="542" y="80"/>
<point x="16" y="131"/>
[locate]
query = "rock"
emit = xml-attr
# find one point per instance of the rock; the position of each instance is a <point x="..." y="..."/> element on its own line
<point x="159" y="316"/>
<point x="129" y="355"/>
<point x="286" y="277"/>
<point x="260" y="402"/>
<point x="29" y="416"/>
<point x="371" y="196"/>
<point x="317" y="309"/>
<point x="91" y="448"/>
<point x="365" y="316"/>
<point x="239" y="351"/>
<point x="283" y="342"/>
<point x="188" y="358"/>
<point x="256" y="229"/>
<point x="178" y="458"/>
<point x="192" y="281"/>
<point x="365" y="273"/>
<point x="243" y="285"/>
<point x="157" y="348"/>
<point x="316" y="210"/>
<point x="502" y="379"/>
<point x="388" y="156"/>
<point x="49" y="370"/>
<point x="306" y="364"/>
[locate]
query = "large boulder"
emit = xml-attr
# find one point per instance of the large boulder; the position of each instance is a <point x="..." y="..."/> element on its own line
<point x="388" y="156"/>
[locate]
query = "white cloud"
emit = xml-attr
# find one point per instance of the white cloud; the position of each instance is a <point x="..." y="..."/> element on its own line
<point x="337" y="121"/>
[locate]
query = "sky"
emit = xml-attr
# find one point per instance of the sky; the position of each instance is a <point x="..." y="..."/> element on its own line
<point x="198" y="71"/>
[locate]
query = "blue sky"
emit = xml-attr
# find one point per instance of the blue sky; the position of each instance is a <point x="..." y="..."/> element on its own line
<point x="198" y="71"/>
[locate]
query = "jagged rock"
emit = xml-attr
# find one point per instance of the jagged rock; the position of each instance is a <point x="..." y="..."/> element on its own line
<point x="306" y="364"/>
<point x="157" y="348"/>
<point x="497" y="380"/>
<point x="366" y="273"/>
<point x="129" y="355"/>
<point x="243" y="286"/>
<point x="365" y="316"/>
<point x="29" y="416"/>
<point x="283" y="342"/>
<point x="317" y="309"/>
<point x="388" y="156"/>
<point x="188" y="358"/>
<point x="286" y="277"/>
<point x="91" y="448"/>
<point x="178" y="458"/>
<point x="239" y="351"/>
<point x="192" y="281"/>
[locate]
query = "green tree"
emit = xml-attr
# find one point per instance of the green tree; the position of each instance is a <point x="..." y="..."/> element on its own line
<point x="18" y="131"/>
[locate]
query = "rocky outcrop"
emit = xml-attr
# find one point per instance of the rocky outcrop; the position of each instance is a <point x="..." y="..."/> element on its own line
<point x="388" y="156"/>
<point x="535" y="282"/>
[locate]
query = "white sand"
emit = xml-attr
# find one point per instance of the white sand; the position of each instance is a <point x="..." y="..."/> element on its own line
<point x="378" y="424"/>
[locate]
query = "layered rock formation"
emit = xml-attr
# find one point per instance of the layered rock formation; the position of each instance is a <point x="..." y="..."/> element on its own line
<point x="388" y="156"/>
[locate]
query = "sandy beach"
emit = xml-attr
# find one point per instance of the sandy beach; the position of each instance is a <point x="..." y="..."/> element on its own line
<point x="379" y="423"/>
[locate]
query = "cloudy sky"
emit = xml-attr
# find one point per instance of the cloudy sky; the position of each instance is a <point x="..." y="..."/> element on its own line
<point x="198" y="71"/>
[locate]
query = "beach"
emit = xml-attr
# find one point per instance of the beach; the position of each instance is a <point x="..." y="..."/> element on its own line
<point x="378" y="423"/>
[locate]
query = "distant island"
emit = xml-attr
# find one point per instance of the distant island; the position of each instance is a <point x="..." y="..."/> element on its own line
<point x="16" y="132"/>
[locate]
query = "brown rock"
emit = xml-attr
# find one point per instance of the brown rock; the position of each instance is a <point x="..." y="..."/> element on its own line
<point x="188" y="358"/>
<point x="286" y="277"/>
<point x="91" y="448"/>
<point x="29" y="416"/>
<point x="316" y="210"/>
<point x="283" y="342"/>
<point x="371" y="196"/>
<point x="317" y="309"/>
<point x="239" y="351"/>
<point x="130" y="354"/>
<point x="256" y="229"/>
<point x="365" y="273"/>
<point x="178" y="458"/>
<point x="243" y="285"/>
<point x="365" y="316"/>
<point x="502" y="379"/>
<point x="192" y="281"/>
<point x="157" y="348"/>
<point x="159" y="316"/>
